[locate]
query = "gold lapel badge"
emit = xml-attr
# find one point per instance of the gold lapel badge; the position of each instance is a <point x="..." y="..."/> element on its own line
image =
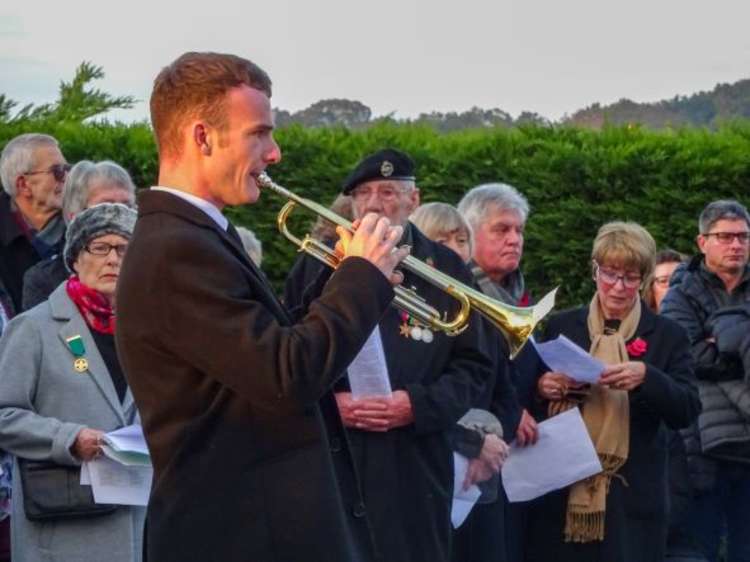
<point x="81" y="365"/>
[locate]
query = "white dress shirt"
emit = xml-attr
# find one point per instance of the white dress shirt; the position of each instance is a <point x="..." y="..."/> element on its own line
<point x="209" y="208"/>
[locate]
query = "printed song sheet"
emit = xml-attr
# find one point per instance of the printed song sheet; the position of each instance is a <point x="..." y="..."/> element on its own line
<point x="564" y="356"/>
<point x="114" y="483"/>
<point x="368" y="373"/>
<point x="127" y="446"/>
<point x="564" y="454"/>
<point x="463" y="500"/>
<point x="123" y="475"/>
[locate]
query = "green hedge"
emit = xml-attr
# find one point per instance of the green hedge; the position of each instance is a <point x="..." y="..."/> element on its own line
<point x="575" y="180"/>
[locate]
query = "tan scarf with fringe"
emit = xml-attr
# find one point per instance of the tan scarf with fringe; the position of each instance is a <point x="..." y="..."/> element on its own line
<point x="606" y="413"/>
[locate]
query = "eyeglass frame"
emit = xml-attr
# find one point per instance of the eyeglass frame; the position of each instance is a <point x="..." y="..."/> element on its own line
<point x="119" y="249"/>
<point x="57" y="170"/>
<point x="598" y="268"/>
<point x="732" y="237"/>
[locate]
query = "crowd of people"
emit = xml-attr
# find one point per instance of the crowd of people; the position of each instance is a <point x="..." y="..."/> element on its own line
<point x="117" y="309"/>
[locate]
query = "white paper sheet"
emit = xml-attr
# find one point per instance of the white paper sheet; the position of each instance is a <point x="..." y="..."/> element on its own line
<point x="564" y="454"/>
<point x="463" y="500"/>
<point x="85" y="475"/>
<point x="113" y="483"/>
<point x="368" y="373"/>
<point x="129" y="438"/>
<point x="563" y="356"/>
<point x="127" y="446"/>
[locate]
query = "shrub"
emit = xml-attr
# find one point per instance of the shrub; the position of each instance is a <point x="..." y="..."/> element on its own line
<point x="575" y="180"/>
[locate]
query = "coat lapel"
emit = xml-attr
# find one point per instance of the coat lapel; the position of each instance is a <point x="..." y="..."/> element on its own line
<point x="270" y="297"/>
<point x="73" y="325"/>
<point x="164" y="202"/>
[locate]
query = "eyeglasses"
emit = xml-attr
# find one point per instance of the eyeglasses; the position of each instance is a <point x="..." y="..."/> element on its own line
<point x="384" y="193"/>
<point x="728" y="237"/>
<point x="103" y="249"/>
<point x="57" y="170"/>
<point x="609" y="277"/>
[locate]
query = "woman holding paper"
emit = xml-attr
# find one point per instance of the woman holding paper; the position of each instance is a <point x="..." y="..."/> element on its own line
<point x="619" y="515"/>
<point x="61" y="388"/>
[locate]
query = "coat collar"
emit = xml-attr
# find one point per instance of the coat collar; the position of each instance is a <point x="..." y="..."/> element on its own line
<point x="65" y="311"/>
<point x="646" y="325"/>
<point x="152" y="202"/>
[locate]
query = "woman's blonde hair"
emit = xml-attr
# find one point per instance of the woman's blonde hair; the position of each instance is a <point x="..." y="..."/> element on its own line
<point x="627" y="245"/>
<point x="440" y="219"/>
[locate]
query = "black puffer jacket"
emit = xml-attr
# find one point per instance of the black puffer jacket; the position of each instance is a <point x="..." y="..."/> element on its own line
<point x="695" y="300"/>
<point x="731" y="329"/>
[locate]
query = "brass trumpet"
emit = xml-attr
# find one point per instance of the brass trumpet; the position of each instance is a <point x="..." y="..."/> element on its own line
<point x="515" y="323"/>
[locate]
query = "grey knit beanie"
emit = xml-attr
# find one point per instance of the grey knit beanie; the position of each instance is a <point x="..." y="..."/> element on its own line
<point x="96" y="221"/>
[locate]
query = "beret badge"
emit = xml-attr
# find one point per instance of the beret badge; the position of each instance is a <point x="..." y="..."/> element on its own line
<point x="386" y="169"/>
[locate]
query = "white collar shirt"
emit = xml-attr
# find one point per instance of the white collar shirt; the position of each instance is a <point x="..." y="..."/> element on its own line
<point x="209" y="208"/>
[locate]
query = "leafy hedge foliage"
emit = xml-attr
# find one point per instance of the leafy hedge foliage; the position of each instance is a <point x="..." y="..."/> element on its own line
<point x="575" y="180"/>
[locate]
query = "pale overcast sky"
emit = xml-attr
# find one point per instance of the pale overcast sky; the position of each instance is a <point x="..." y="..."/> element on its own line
<point x="405" y="56"/>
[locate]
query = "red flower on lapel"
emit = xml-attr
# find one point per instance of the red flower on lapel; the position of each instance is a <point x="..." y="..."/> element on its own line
<point x="637" y="347"/>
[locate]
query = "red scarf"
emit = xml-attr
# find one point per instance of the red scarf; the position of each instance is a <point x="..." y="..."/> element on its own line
<point x="93" y="306"/>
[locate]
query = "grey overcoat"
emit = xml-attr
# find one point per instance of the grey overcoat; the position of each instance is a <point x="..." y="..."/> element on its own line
<point x="44" y="403"/>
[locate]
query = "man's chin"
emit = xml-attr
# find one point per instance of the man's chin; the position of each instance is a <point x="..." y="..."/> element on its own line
<point x="735" y="266"/>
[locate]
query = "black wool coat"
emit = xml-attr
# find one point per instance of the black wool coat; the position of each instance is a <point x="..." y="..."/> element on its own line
<point x="407" y="472"/>
<point x="636" y="515"/>
<point x="250" y="459"/>
<point x="16" y="254"/>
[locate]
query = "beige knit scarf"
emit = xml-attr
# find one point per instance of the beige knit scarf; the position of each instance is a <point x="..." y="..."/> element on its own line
<point x="606" y="413"/>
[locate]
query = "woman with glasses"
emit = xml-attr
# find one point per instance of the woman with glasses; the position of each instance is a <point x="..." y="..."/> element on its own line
<point x="61" y="389"/>
<point x="620" y="514"/>
<point x="666" y="263"/>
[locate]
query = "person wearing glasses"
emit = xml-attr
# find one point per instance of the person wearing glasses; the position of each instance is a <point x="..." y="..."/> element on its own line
<point x="401" y="443"/>
<point x="87" y="184"/>
<point x="32" y="171"/>
<point x="712" y="284"/>
<point x="61" y="388"/>
<point x="666" y="262"/>
<point x="620" y="514"/>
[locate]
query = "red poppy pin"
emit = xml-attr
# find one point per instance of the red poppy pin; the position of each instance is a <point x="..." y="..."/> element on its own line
<point x="637" y="347"/>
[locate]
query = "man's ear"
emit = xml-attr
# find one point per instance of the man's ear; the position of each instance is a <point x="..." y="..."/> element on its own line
<point x="700" y="241"/>
<point x="22" y="187"/>
<point x="202" y="138"/>
<point x="415" y="199"/>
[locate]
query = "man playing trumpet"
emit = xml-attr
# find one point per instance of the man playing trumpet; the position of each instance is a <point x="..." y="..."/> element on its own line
<point x="234" y="394"/>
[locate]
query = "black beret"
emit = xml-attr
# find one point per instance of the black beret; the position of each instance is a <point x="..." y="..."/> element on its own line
<point x="386" y="164"/>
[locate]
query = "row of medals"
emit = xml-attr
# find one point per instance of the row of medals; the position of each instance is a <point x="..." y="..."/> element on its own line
<point x="410" y="328"/>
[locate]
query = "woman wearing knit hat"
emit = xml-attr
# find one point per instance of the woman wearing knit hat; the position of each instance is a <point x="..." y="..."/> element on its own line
<point x="61" y="389"/>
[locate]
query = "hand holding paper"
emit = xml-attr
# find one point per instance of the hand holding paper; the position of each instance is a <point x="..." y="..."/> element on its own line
<point x="563" y="455"/>
<point x="563" y="356"/>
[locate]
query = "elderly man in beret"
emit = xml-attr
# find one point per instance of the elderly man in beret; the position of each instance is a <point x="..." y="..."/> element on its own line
<point x="400" y="439"/>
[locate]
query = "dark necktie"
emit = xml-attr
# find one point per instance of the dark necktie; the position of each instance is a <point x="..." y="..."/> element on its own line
<point x="234" y="234"/>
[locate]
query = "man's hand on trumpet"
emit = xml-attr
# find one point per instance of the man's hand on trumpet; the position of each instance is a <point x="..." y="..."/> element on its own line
<point x="374" y="239"/>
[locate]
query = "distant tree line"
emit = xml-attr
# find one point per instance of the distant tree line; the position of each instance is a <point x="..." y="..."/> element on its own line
<point x="726" y="102"/>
